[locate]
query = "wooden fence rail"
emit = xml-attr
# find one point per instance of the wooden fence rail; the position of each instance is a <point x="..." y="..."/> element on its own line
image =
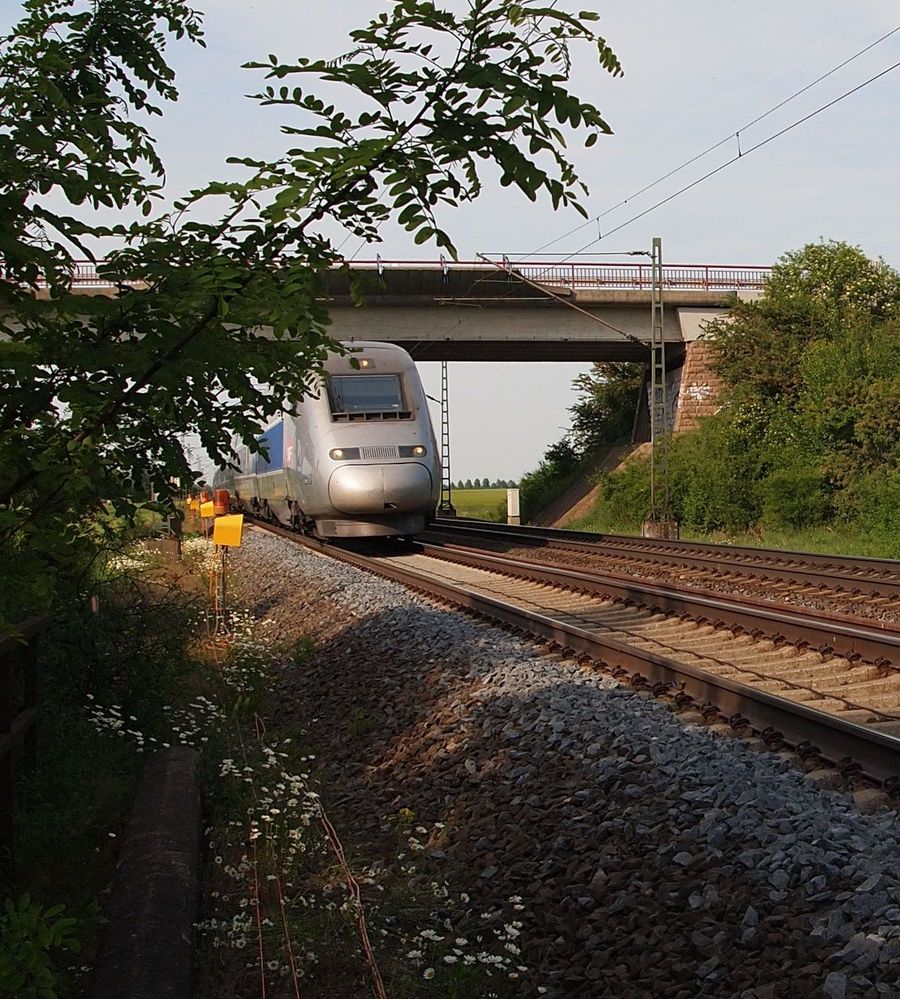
<point x="18" y="714"/>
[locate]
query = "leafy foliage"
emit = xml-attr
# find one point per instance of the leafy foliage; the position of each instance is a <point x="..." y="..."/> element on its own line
<point x="560" y="466"/>
<point x="134" y="654"/>
<point x="809" y="429"/>
<point x="29" y="934"/>
<point x="815" y="295"/>
<point x="604" y="413"/>
<point x="98" y="389"/>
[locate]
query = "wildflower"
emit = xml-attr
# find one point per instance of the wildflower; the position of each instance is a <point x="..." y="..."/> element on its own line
<point x="449" y="959"/>
<point x="428" y="973"/>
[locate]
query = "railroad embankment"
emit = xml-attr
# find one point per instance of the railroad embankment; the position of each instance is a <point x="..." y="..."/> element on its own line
<point x="802" y="446"/>
<point x="579" y="498"/>
<point x="513" y="823"/>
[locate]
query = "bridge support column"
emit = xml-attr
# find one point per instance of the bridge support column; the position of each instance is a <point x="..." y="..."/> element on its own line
<point x="700" y="389"/>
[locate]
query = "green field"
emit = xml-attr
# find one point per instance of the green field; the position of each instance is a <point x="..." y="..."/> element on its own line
<point x="485" y="504"/>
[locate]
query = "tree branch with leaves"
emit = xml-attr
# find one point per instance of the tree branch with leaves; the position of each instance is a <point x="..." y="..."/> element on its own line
<point x="97" y="388"/>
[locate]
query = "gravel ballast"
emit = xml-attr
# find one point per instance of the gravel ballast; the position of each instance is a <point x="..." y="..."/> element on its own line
<point x="653" y="859"/>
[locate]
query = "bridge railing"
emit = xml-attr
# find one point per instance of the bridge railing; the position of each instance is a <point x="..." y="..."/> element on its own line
<point x="569" y="274"/>
<point x="639" y="276"/>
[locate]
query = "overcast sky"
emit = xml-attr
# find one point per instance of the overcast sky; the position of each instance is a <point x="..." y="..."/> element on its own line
<point x="695" y="71"/>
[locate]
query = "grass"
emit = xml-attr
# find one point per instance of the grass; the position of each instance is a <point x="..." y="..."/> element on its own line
<point x="131" y="655"/>
<point x="833" y="539"/>
<point x="483" y="504"/>
<point x="273" y="874"/>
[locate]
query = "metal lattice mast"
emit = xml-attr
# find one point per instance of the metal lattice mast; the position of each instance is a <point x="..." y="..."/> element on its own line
<point x="659" y="410"/>
<point x="446" y="503"/>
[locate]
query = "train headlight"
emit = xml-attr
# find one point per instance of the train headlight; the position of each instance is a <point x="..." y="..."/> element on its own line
<point x="412" y="451"/>
<point x="344" y="453"/>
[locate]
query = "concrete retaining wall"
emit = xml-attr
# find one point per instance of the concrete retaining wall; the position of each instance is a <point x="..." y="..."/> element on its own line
<point x="148" y="949"/>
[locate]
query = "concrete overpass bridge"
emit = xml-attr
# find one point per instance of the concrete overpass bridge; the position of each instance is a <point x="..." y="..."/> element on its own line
<point x="529" y="310"/>
<point x="534" y="310"/>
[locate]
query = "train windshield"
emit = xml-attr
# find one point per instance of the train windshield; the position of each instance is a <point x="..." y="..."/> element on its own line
<point x="365" y="394"/>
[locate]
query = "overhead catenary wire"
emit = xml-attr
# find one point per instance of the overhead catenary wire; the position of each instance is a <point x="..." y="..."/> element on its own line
<point x="503" y="268"/>
<point x="739" y="156"/>
<point x="742" y="154"/>
<point x="716" y="145"/>
<point x="559" y="298"/>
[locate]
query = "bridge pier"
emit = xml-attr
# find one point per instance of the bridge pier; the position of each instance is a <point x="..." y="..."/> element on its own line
<point x="700" y="387"/>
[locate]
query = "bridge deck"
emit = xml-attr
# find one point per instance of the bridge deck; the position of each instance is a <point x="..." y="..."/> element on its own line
<point x="478" y="310"/>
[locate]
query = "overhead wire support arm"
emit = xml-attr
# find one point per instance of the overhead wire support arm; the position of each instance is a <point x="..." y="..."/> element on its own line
<point x="508" y="268"/>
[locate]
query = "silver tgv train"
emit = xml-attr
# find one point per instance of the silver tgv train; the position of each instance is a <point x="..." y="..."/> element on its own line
<point x="357" y="460"/>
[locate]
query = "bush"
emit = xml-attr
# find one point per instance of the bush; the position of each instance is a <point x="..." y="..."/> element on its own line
<point x="624" y="497"/>
<point x="560" y="467"/>
<point x="29" y="936"/>
<point x="794" y="498"/>
<point x="810" y="423"/>
<point x="873" y="501"/>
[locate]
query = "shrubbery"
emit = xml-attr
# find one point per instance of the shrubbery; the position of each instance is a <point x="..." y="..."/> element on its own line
<point x="560" y="466"/>
<point x="809" y="430"/>
<point x="602" y="416"/>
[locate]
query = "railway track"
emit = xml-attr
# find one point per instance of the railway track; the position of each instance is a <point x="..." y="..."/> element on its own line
<point x="860" y="587"/>
<point x="824" y="681"/>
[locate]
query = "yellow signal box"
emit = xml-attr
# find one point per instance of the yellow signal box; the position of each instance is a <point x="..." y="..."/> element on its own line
<point x="207" y="509"/>
<point x="227" y="530"/>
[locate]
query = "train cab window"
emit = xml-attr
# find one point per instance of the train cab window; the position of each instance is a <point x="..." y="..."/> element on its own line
<point x="366" y="397"/>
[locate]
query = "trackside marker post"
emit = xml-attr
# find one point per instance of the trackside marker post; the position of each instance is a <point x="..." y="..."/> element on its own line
<point x="227" y="530"/>
<point x="227" y="533"/>
<point x="207" y="512"/>
<point x="512" y="506"/>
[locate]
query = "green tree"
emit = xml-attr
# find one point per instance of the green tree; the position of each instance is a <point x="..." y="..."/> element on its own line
<point x="814" y="296"/>
<point x="97" y="390"/>
<point x="560" y="464"/>
<point x="808" y="427"/>
<point x="604" y="412"/>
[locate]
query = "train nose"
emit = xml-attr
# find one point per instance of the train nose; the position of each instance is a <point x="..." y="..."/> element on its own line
<point x="361" y="489"/>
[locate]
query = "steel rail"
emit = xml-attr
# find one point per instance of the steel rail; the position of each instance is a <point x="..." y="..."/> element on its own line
<point x="835" y="633"/>
<point x="835" y="739"/>
<point x="836" y="581"/>
<point x="875" y="576"/>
